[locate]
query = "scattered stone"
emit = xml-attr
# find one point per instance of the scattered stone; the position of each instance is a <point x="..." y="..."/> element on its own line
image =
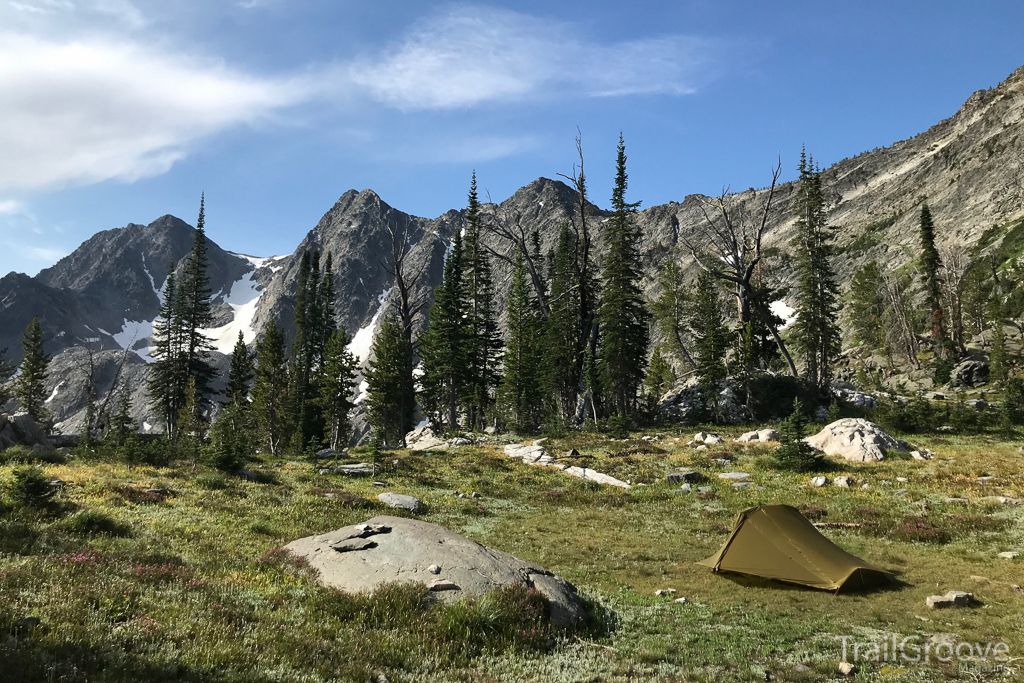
<point x="865" y="487"/>
<point x="950" y="599"/>
<point x="681" y="601"/>
<point x="844" y="482"/>
<point x="531" y="455"/>
<point x="363" y="469"/>
<point x="540" y="442"/>
<point x="957" y="501"/>
<point x="979" y="404"/>
<point x="1009" y="555"/>
<point x="818" y="482"/>
<point x="683" y="476"/>
<point x="707" y="438"/>
<point x="475" y="495"/>
<point x="276" y="465"/>
<point x="802" y="669"/>
<point x="704" y="489"/>
<point x="664" y="592"/>
<point x="434" y="569"/>
<point x="422" y="439"/>
<point x="847" y="669"/>
<point x="461" y="495"/>
<point x="1000" y="500"/>
<point x="969" y="373"/>
<point x="491" y="431"/>
<point x="702" y="447"/>
<point x="586" y="473"/>
<point x="400" y="501"/>
<point x="686" y="488"/>
<point x="902" y="480"/>
<point x="922" y="454"/>
<point x="943" y="639"/>
<point x="405" y="552"/>
<point x="379" y="483"/>
<point x="443" y="585"/>
<point x="985" y="478"/>
<point x="857" y="440"/>
<point x="734" y="476"/>
<point x="742" y="484"/>
<point x="758" y="436"/>
<point x="459" y="441"/>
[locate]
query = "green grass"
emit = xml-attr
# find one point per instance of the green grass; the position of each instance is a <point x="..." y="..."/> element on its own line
<point x="187" y="585"/>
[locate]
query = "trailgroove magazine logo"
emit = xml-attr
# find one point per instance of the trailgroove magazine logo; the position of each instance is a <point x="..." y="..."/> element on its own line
<point x="991" y="656"/>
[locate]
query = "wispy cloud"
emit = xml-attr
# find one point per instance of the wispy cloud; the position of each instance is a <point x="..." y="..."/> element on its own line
<point x="10" y="206"/>
<point x="468" y="56"/>
<point x="88" y="111"/>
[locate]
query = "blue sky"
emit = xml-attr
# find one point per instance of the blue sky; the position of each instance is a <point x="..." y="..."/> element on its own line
<point x="113" y="111"/>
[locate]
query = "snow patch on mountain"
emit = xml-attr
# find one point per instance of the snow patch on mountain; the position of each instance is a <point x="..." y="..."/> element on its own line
<point x="784" y="311"/>
<point x="242" y="299"/>
<point x="132" y="333"/>
<point x="363" y="339"/>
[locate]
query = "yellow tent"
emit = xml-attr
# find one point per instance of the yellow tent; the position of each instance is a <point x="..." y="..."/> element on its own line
<point x="777" y="542"/>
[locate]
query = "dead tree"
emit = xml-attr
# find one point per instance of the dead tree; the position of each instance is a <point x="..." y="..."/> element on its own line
<point x="728" y="244"/>
<point x="405" y="278"/>
<point x="900" y="328"/>
<point x="506" y="225"/>
<point x="955" y="264"/>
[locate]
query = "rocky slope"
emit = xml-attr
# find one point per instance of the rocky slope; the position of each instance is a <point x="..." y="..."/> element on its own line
<point x="969" y="167"/>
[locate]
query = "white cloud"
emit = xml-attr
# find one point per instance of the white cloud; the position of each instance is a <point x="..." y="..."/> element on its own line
<point x="10" y="206"/>
<point x="88" y="111"/>
<point x="469" y="56"/>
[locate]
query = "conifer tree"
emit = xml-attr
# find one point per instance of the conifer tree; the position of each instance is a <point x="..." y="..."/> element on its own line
<point x="816" y="330"/>
<point x="444" y="348"/>
<point x="166" y="380"/>
<point x="795" y="454"/>
<point x="669" y="311"/>
<point x="623" y="311"/>
<point x="29" y="387"/>
<point x="337" y="384"/>
<point x="520" y="392"/>
<point x="391" y="400"/>
<point x="999" y="360"/>
<point x="6" y="370"/>
<point x="483" y="338"/>
<point x="867" y="306"/>
<point x="563" y="331"/>
<point x="232" y="437"/>
<point x="660" y="376"/>
<point x="191" y="425"/>
<point x="931" y="264"/>
<point x="711" y="338"/>
<point x="240" y="372"/>
<point x="270" y="391"/>
<point x="122" y="425"/>
<point x="192" y="309"/>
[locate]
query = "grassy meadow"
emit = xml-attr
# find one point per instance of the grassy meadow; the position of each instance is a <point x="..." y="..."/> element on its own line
<point x="173" y="573"/>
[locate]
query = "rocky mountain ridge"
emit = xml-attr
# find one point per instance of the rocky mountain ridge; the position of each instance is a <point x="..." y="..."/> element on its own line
<point x="105" y="295"/>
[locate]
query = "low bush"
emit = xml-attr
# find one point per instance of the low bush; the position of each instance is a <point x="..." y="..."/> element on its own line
<point x="94" y="523"/>
<point x="31" y="487"/>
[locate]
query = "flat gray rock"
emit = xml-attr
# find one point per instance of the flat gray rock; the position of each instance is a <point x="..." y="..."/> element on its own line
<point x="423" y="439"/>
<point x="734" y="476"/>
<point x="950" y="599"/>
<point x="410" y="550"/>
<point x="398" y="500"/>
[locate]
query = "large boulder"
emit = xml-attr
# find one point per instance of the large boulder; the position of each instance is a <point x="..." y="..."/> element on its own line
<point x="759" y="436"/>
<point x="685" y="403"/>
<point x="21" y="430"/>
<point x="423" y="439"/>
<point x="363" y="557"/>
<point x="849" y="396"/>
<point x="969" y="373"/>
<point x="856" y="439"/>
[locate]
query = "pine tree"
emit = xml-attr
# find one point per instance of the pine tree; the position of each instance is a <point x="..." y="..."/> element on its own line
<point x="191" y="425"/>
<point x="232" y="437"/>
<point x="660" y="377"/>
<point x="240" y="373"/>
<point x="166" y="381"/>
<point x="122" y="425"/>
<point x="867" y="307"/>
<point x="444" y="348"/>
<point x="270" y="391"/>
<point x="563" y="333"/>
<point x="483" y="338"/>
<point x="816" y="330"/>
<point x="29" y="387"/>
<point x="931" y="265"/>
<point x="520" y="392"/>
<point x="999" y="360"/>
<point x="623" y="311"/>
<point x="711" y="338"/>
<point x="6" y="370"/>
<point x="669" y="311"/>
<point x="337" y="384"/>
<point x="793" y="453"/>
<point x="193" y="313"/>
<point x="391" y="400"/>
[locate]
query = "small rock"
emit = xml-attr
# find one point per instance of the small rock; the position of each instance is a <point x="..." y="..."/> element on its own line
<point x="847" y="669"/>
<point x="802" y="669"/>
<point x="461" y="495"/>
<point x="363" y="469"/>
<point x="704" y="489"/>
<point x="460" y="441"/>
<point x="742" y="484"/>
<point x="665" y="592"/>
<point x="325" y="453"/>
<point x="475" y="495"/>
<point x="540" y="442"/>
<point x="403" y="502"/>
<point x="844" y="482"/>
<point x="956" y="501"/>
<point x="442" y="585"/>
<point x="818" y="482"/>
<point x="434" y="569"/>
<point x="491" y="431"/>
<point x="247" y="474"/>
<point x="323" y="472"/>
<point x="702" y="447"/>
<point x="984" y="479"/>
<point x="681" y="601"/>
<point x="902" y="480"/>
<point x="950" y="599"/>
<point x="277" y="464"/>
<point x="686" y="488"/>
<point x="865" y="487"/>
<point x="1009" y="555"/>
<point x="683" y="476"/>
<point x="943" y="639"/>
<point x="734" y="476"/>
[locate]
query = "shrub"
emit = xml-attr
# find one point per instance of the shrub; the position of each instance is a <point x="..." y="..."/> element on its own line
<point x="31" y="487"/>
<point x="771" y="396"/>
<point x="794" y="454"/>
<point x="95" y="523"/>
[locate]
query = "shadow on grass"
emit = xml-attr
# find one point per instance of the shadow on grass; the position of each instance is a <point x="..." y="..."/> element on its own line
<point x="747" y="581"/>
